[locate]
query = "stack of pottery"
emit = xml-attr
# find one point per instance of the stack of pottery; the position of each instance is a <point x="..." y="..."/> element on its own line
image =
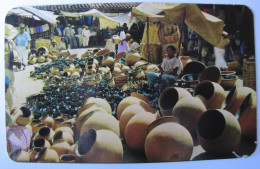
<point x="132" y="57"/>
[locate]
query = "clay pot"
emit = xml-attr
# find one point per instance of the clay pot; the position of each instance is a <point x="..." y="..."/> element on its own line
<point x="48" y="120"/>
<point x="141" y="97"/>
<point x="55" y="71"/>
<point x="125" y="69"/>
<point x="20" y="155"/>
<point x="132" y="57"/>
<point x="211" y="73"/>
<point x="142" y="64"/>
<point x="102" y="52"/>
<point x="228" y="81"/>
<point x="100" y="103"/>
<point x="33" y="153"/>
<point x="129" y="112"/>
<point x="169" y="97"/>
<point x="67" y="129"/>
<point x="77" y="69"/>
<point x="212" y="92"/>
<point x="136" y="130"/>
<point x="91" y="70"/>
<point x="235" y="97"/>
<point x="61" y="147"/>
<point x="41" y="143"/>
<point x="193" y="67"/>
<point x="57" y="122"/>
<point x="168" y="141"/>
<point x="130" y="100"/>
<point x="111" y="83"/>
<point x="22" y="116"/>
<point x="152" y="68"/>
<point x="118" y="65"/>
<point x="62" y="135"/>
<point x="67" y="158"/>
<point x="191" y="80"/>
<point x="247" y="116"/>
<point x="47" y="156"/>
<point x="34" y="122"/>
<point x="100" y="121"/>
<point x="37" y="127"/>
<point x="99" y="146"/>
<point x="75" y="75"/>
<point x="218" y="132"/>
<point x="116" y="72"/>
<point x="188" y="110"/>
<point x="108" y="61"/>
<point x="41" y="59"/>
<point x="46" y="133"/>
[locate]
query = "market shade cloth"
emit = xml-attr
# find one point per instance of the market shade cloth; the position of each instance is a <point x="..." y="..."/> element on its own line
<point x="207" y="26"/>
<point x="92" y="12"/>
<point x="44" y="15"/>
<point x="10" y="31"/>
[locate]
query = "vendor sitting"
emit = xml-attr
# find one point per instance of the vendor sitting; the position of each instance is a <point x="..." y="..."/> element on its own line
<point x="170" y="69"/>
<point x="53" y="47"/>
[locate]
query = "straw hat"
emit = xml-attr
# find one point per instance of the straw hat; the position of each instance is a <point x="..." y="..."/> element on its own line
<point x="22" y="25"/>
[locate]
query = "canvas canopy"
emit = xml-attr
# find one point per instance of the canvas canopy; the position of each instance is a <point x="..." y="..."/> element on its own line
<point x="207" y="26"/>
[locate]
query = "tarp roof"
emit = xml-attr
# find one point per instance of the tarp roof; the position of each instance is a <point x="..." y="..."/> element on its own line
<point x="44" y="15"/>
<point x="207" y="26"/>
<point x="21" y="12"/>
<point x="92" y="12"/>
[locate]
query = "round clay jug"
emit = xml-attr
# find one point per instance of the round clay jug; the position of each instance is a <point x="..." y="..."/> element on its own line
<point x="37" y="127"/>
<point x="46" y="133"/>
<point x="168" y="141"/>
<point x="41" y="143"/>
<point x="142" y="64"/>
<point x="136" y="130"/>
<point x="188" y="110"/>
<point x="67" y="158"/>
<point x="218" y="132"/>
<point x="33" y="154"/>
<point x="20" y="155"/>
<point x="23" y="116"/>
<point x="213" y="93"/>
<point x="247" y="116"/>
<point x="61" y="146"/>
<point x="57" y="122"/>
<point x="100" y="121"/>
<point x="99" y="146"/>
<point x="48" y="156"/>
<point x="125" y="68"/>
<point x="108" y="61"/>
<point x="141" y="97"/>
<point x="169" y="97"/>
<point x="100" y="102"/>
<point x="55" y="71"/>
<point x="48" y="120"/>
<point x="127" y="101"/>
<point x="193" y="67"/>
<point x="67" y="129"/>
<point x="132" y="57"/>
<point x="63" y="135"/>
<point x="235" y="97"/>
<point x="129" y="112"/>
<point x="211" y="73"/>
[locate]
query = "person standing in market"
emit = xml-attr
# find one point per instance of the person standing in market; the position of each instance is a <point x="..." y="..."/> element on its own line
<point x="219" y="51"/>
<point x="123" y="45"/>
<point x="86" y="36"/>
<point x="22" y="41"/>
<point x="80" y="36"/>
<point x="170" y="69"/>
<point x="73" y="41"/>
<point x="67" y="33"/>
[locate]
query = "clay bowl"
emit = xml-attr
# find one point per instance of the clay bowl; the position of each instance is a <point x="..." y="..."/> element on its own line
<point x="228" y="81"/>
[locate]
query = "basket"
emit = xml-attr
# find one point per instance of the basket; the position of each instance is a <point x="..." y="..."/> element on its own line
<point x="249" y="73"/>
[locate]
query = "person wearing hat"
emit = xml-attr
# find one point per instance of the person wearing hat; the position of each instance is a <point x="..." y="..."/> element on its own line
<point x="22" y="41"/>
<point x="170" y="69"/>
<point x="67" y="33"/>
<point x="122" y="46"/>
<point x="86" y="36"/>
<point x="53" y="47"/>
<point x="63" y="44"/>
<point x="73" y="40"/>
<point x="80" y="36"/>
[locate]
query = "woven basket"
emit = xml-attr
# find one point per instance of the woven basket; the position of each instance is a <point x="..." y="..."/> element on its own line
<point x="249" y="73"/>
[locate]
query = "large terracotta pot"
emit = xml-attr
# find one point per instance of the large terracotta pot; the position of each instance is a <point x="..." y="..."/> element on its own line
<point x="211" y="73"/>
<point x="125" y="68"/>
<point x="218" y="132"/>
<point x="47" y="156"/>
<point x="100" y="103"/>
<point x="37" y="127"/>
<point x="188" y="110"/>
<point x="132" y="57"/>
<point x="136" y="130"/>
<point x="55" y="71"/>
<point x="22" y="116"/>
<point x="33" y="154"/>
<point x="99" y="146"/>
<point x="100" y="121"/>
<point x="67" y="158"/>
<point x="129" y="112"/>
<point x="228" y="81"/>
<point x="168" y="141"/>
<point x="141" y="97"/>
<point x="247" y="116"/>
<point x="61" y="147"/>
<point x="130" y="100"/>
<point x="65" y="128"/>
<point x="20" y="155"/>
<point x="48" y="120"/>
<point x="193" y="67"/>
<point x="57" y="123"/>
<point x="41" y="143"/>
<point x="65" y="136"/>
<point x="108" y="61"/>
<point x="46" y="133"/>
<point x="213" y="94"/>
<point x="235" y="97"/>
<point x="169" y="97"/>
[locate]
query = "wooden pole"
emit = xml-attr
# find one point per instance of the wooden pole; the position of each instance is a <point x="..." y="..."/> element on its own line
<point x="147" y="43"/>
<point x="182" y="25"/>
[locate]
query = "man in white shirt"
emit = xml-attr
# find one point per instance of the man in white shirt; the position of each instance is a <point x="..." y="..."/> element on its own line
<point x="86" y="35"/>
<point x="170" y="69"/>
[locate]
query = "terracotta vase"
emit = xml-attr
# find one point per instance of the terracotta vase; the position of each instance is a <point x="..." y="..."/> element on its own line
<point x="61" y="146"/>
<point x="141" y="97"/>
<point x="20" y="155"/>
<point x="212" y="92"/>
<point x="57" y="122"/>
<point x="132" y="57"/>
<point x="47" y="156"/>
<point x="55" y="71"/>
<point x="65" y="136"/>
<point x="108" y="61"/>
<point x="67" y="129"/>
<point x="235" y="97"/>
<point x="67" y="158"/>
<point x="168" y="141"/>
<point x="48" y="120"/>
<point x="218" y="132"/>
<point x="100" y="103"/>
<point x="23" y="116"/>
<point x="46" y="133"/>
<point x="129" y="112"/>
<point x="33" y="153"/>
<point x="247" y="116"/>
<point x="125" y="68"/>
<point x="99" y="146"/>
<point x="130" y="100"/>
<point x="211" y="73"/>
<point x="188" y="110"/>
<point x="41" y="143"/>
<point x="37" y="127"/>
<point x="100" y="121"/>
<point x="169" y="97"/>
<point x="136" y="130"/>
